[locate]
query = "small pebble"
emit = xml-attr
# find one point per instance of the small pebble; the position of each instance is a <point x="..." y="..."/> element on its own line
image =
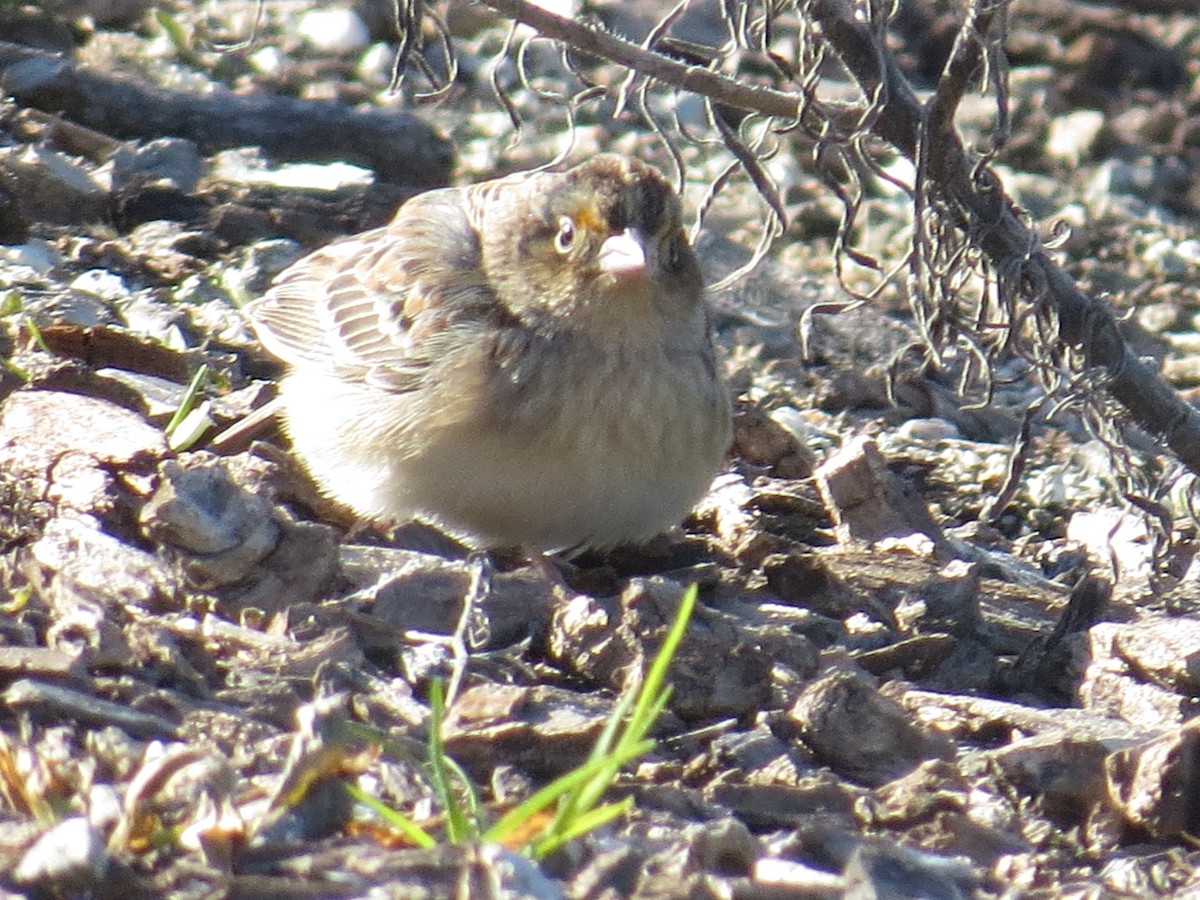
<point x="337" y="31"/>
<point x="1163" y="257"/>
<point x="928" y="430"/>
<point x="69" y="853"/>
<point x="1073" y="136"/>
<point x="101" y="283"/>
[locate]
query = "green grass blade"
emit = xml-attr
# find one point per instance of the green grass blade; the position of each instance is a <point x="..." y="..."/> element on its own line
<point x="577" y="793"/>
<point x="611" y="733"/>
<point x="657" y="675"/>
<point x="542" y="799"/>
<point x="589" y="821"/>
<point x="402" y="823"/>
<point x="473" y="807"/>
<point x="36" y="333"/>
<point x="458" y="824"/>
<point x="591" y="792"/>
<point x="189" y="399"/>
<point x="648" y="702"/>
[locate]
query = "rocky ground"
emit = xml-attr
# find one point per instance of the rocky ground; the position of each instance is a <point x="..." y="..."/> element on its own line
<point x="894" y="686"/>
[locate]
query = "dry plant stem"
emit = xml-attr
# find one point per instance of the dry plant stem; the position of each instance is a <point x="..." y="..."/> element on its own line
<point x="482" y="569"/>
<point x="986" y="212"/>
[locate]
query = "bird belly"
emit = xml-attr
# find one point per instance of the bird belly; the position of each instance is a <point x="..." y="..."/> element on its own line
<point x="613" y="464"/>
<point x="604" y="459"/>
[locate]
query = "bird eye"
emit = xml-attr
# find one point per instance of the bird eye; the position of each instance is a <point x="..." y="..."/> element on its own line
<point x="566" y="234"/>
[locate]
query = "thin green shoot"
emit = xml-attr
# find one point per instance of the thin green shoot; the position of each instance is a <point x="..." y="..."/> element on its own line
<point x="461" y="825"/>
<point x="581" y="825"/>
<point x="22" y="374"/>
<point x="650" y="699"/>
<point x="178" y="36"/>
<point x="189" y="421"/>
<point x="36" y="333"/>
<point x="577" y="793"/>
<point x="516" y="818"/>
<point x="402" y="823"/>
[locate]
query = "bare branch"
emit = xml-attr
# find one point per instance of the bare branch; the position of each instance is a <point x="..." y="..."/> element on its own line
<point x="717" y="87"/>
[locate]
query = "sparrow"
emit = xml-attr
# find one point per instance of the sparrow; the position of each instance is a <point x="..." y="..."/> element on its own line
<point x="525" y="362"/>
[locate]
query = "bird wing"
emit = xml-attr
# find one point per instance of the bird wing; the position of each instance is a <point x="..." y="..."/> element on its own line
<point x="366" y="306"/>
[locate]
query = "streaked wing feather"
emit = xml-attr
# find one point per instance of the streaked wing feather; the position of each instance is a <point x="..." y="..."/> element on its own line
<point x="365" y="305"/>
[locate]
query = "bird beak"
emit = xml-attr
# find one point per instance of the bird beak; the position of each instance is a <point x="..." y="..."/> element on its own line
<point x="624" y="255"/>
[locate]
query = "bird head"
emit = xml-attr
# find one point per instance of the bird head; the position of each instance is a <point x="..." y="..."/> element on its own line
<point x="604" y="234"/>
